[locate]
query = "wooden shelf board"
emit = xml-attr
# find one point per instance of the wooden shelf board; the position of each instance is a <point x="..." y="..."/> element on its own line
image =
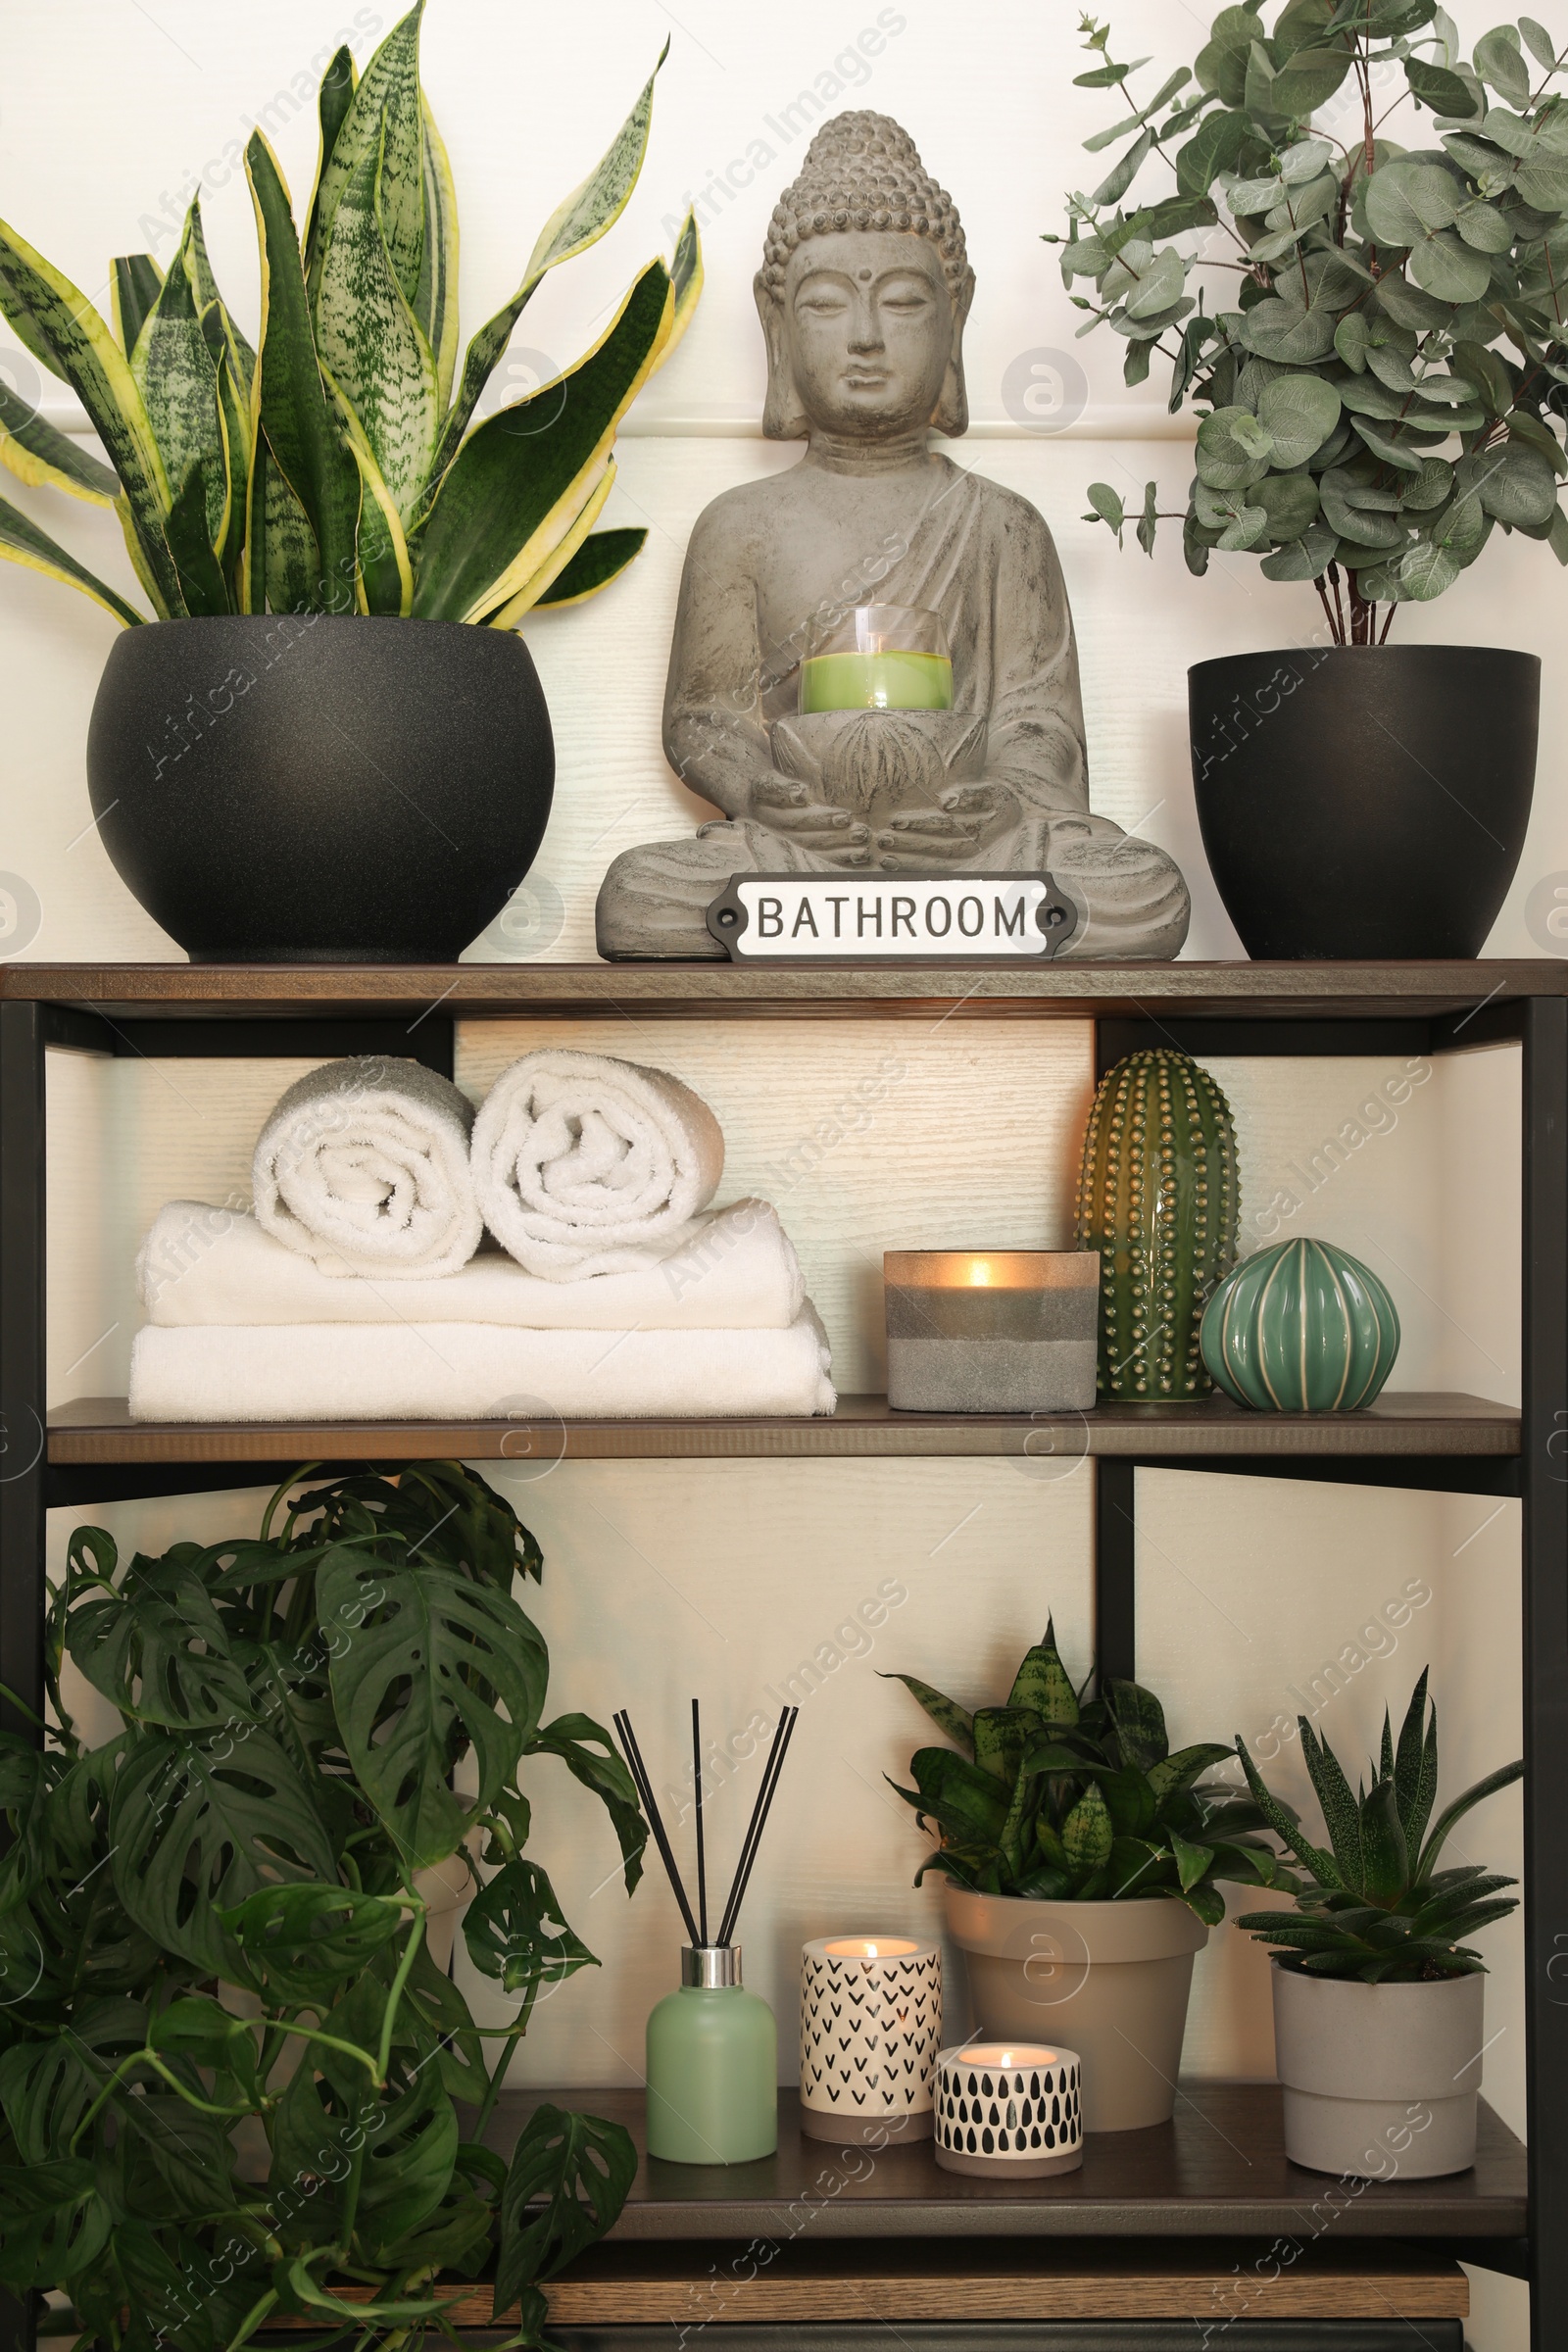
<point x="1406" y="1424"/>
<point x="1063" y="991"/>
<point x="1218" y="2169"/>
<point x="744" y="2286"/>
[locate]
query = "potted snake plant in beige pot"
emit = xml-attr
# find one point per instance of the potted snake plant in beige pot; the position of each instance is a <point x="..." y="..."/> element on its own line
<point x="1082" y="1861"/>
<point x="1378" y="1998"/>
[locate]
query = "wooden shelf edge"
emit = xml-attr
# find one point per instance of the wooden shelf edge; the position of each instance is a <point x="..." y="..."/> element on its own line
<point x="1405" y="1426"/>
<point x="737" y="2291"/>
<point x="1347" y="991"/>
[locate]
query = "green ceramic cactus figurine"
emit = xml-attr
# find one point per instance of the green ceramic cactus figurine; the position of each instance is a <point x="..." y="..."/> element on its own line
<point x="1159" y="1198"/>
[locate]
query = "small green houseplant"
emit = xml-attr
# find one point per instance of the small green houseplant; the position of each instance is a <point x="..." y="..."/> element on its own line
<point x="1373" y="337"/>
<point x="1054" y="1797"/>
<point x="233" y="2082"/>
<point x="1373" y="1906"/>
<point x="271" y="784"/>
<point x="1377" y="1993"/>
<point x="1073" y="1842"/>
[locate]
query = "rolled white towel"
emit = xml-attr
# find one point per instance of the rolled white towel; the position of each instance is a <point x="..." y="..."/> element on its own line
<point x="738" y="1272"/>
<point x="583" y="1164"/>
<point x="363" y="1166"/>
<point x="475" y="1372"/>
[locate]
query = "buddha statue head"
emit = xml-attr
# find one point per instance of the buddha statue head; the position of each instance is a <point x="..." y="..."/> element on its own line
<point x="863" y="292"/>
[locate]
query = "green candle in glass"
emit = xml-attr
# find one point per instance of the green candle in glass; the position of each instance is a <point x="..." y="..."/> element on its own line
<point x="877" y="658"/>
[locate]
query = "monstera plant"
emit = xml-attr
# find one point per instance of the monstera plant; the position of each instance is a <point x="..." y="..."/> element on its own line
<point x="1347" y="238"/>
<point x="376" y="796"/>
<point x="337" y="466"/>
<point x="236" y="2088"/>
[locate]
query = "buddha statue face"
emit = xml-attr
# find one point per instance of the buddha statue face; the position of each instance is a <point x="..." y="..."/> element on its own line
<point x="863" y="292"/>
<point x="867" y="331"/>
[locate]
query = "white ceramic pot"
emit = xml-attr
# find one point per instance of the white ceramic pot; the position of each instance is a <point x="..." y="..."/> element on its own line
<point x="448" y="1888"/>
<point x="1380" y="2080"/>
<point x="1110" y="1979"/>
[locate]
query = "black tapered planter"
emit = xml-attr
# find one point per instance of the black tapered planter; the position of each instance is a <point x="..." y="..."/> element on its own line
<point x="310" y="788"/>
<point x="1364" y="801"/>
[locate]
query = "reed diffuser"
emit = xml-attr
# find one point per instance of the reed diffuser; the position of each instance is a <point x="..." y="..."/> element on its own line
<point x="713" y="2047"/>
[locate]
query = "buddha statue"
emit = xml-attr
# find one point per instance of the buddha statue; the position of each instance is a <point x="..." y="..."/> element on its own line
<point x="863" y="294"/>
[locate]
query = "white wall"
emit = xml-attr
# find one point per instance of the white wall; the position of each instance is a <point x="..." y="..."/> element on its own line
<point x="666" y="1578"/>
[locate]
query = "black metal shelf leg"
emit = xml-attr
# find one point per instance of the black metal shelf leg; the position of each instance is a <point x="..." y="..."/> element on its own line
<point x="1115" y="1546"/>
<point x="1545" y="1440"/>
<point x="21" y="1411"/>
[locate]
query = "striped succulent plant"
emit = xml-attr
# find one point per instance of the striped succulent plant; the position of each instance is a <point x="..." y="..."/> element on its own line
<point x="1158" y="1197"/>
<point x="1373" y="1905"/>
<point x="338" y="467"/>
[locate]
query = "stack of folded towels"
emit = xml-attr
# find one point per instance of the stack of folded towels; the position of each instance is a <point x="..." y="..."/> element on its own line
<point x="558" y="1253"/>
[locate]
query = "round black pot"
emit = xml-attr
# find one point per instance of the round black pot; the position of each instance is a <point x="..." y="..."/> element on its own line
<point x="1364" y="801"/>
<point x="312" y="788"/>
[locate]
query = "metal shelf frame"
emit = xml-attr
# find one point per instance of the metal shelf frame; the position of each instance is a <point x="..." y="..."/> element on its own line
<point x="1291" y="1010"/>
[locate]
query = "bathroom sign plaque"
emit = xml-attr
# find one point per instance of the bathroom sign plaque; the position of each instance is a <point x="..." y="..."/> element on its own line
<point x="891" y="918"/>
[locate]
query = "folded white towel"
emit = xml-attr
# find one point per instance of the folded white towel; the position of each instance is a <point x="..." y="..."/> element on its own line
<point x="473" y="1372"/>
<point x="364" y="1167"/>
<point x="587" y="1166"/>
<point x="210" y="1266"/>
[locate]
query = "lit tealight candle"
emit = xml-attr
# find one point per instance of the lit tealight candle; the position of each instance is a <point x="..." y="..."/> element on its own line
<point x="1009" y="2107"/>
<point x="870" y="1948"/>
<point x="870" y="2030"/>
<point x="991" y="1331"/>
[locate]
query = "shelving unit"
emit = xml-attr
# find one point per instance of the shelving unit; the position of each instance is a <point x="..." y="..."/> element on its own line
<point x="1218" y="2172"/>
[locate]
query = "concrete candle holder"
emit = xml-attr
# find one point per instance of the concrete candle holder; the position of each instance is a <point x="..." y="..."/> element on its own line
<point x="991" y="1331"/>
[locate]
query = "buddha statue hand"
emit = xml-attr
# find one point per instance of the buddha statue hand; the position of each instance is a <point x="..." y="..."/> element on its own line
<point x="785" y="804"/>
<point x="904" y="779"/>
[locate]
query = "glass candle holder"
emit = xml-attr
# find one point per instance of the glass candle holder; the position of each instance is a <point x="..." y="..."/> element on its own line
<point x="991" y="1331"/>
<point x="877" y="658"/>
<point x="1012" y="2107"/>
<point x="870" y="2030"/>
<point x="712" y="2065"/>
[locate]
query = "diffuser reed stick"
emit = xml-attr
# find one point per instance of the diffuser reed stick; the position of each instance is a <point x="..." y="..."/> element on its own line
<point x="697" y="1924"/>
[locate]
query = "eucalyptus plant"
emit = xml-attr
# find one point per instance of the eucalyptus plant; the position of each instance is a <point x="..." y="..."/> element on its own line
<point x="234" y="2081"/>
<point x="338" y="466"/>
<point x="1071" y="1800"/>
<point x="1374" y="1906"/>
<point x="1387" y="382"/>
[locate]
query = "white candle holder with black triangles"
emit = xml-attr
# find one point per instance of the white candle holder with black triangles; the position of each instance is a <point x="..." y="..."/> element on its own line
<point x="1009" y="2109"/>
<point x="870" y="2030"/>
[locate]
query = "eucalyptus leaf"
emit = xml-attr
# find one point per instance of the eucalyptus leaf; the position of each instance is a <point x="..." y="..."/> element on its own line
<point x="1299" y="412"/>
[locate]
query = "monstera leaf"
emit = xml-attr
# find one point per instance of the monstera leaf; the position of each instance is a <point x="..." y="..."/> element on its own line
<point x="429" y="1664"/>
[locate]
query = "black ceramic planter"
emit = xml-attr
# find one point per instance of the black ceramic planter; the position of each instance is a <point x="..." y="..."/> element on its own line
<point x="306" y="788"/>
<point x="1364" y="801"/>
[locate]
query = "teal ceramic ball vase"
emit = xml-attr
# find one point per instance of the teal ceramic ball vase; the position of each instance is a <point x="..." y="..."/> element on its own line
<point x="1301" y="1328"/>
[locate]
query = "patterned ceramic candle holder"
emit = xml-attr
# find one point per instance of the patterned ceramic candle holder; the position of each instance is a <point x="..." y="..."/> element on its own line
<point x="991" y="1331"/>
<point x="870" y="2030"/>
<point x="1008" y="2107"/>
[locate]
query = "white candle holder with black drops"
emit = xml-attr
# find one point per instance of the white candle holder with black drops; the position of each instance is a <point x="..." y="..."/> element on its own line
<point x="1009" y="2109"/>
<point x="870" y="2030"/>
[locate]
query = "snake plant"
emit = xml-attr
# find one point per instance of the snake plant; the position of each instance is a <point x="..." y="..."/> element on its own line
<point x="337" y="467"/>
<point x="1375" y="1907"/>
<point x="1072" y="1801"/>
<point x="237" y="2088"/>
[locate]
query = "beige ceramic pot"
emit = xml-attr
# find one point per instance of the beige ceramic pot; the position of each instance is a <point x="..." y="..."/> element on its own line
<point x="1380" y="2080"/>
<point x="1109" y="1981"/>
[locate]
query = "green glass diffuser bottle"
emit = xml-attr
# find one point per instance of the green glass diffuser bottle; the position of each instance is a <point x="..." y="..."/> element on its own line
<point x="712" y="2065"/>
<point x="713" y="2047"/>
